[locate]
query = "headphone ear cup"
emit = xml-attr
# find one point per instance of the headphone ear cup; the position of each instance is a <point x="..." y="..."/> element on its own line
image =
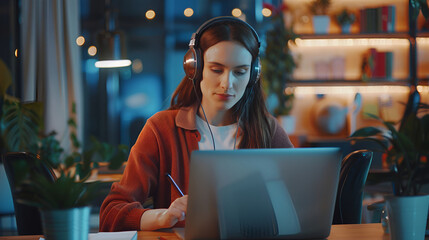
<point x="190" y="64"/>
<point x="193" y="64"/>
<point x="255" y="72"/>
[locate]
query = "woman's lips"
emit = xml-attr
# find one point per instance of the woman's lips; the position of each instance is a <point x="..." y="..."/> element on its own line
<point x="224" y="97"/>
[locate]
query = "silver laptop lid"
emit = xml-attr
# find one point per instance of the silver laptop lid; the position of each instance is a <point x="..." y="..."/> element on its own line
<point x="262" y="193"/>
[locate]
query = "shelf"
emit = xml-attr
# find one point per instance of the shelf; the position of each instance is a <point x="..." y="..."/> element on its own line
<point x="423" y="34"/>
<point x="373" y="82"/>
<point x="357" y="35"/>
<point x="424" y="82"/>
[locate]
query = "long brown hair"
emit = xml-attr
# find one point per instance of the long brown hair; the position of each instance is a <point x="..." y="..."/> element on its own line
<point x="250" y="109"/>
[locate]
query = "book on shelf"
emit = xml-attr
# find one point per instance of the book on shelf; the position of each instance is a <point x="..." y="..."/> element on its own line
<point x="377" y="19"/>
<point x="377" y="65"/>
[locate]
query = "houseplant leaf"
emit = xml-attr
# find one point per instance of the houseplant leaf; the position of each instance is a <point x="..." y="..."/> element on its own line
<point x="21" y="122"/>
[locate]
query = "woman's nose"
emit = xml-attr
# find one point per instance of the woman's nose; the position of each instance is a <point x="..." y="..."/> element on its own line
<point x="227" y="80"/>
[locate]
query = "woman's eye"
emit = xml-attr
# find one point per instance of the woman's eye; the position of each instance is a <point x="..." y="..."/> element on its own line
<point x="217" y="70"/>
<point x="240" y="72"/>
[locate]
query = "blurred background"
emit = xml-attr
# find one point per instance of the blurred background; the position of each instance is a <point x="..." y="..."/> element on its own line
<point x="365" y="60"/>
<point x="114" y="103"/>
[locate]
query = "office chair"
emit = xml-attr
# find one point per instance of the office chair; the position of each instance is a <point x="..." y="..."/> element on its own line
<point x="27" y="217"/>
<point x="354" y="171"/>
<point x="6" y="202"/>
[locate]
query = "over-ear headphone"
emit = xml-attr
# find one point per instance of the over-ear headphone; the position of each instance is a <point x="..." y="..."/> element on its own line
<point x="193" y="59"/>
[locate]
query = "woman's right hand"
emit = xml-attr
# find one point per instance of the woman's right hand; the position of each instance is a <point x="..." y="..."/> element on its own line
<point x="175" y="213"/>
<point x="154" y="219"/>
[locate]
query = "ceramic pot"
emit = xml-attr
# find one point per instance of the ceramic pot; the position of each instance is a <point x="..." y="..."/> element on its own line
<point x="66" y="224"/>
<point x="288" y="123"/>
<point x="345" y="28"/>
<point x="407" y="216"/>
<point x="321" y="24"/>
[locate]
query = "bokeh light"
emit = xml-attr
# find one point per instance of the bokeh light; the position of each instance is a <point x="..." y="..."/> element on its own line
<point x="236" y="12"/>
<point x="188" y="12"/>
<point x="150" y="14"/>
<point x="92" y="50"/>
<point x="80" y="41"/>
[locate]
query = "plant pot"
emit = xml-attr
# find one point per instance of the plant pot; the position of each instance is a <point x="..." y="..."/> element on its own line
<point x="288" y="123"/>
<point x="345" y="28"/>
<point x="66" y="224"/>
<point x="321" y="24"/>
<point x="407" y="216"/>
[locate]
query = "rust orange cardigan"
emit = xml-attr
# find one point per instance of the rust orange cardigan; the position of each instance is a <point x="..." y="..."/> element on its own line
<point x="163" y="146"/>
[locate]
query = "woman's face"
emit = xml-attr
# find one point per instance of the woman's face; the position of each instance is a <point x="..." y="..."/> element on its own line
<point x="226" y="74"/>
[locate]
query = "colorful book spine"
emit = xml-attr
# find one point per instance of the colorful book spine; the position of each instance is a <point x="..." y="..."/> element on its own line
<point x="377" y="65"/>
<point x="379" y="19"/>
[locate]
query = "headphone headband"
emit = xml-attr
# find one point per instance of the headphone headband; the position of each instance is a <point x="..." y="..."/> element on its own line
<point x="197" y="34"/>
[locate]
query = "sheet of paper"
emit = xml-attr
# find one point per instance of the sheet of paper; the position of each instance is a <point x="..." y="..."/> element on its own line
<point x="127" y="235"/>
<point x="180" y="232"/>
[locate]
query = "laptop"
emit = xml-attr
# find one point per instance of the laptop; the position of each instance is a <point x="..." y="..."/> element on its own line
<point x="262" y="193"/>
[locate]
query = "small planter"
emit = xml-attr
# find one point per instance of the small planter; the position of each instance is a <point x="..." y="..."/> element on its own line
<point x="345" y="28"/>
<point x="288" y="123"/>
<point x="407" y="216"/>
<point x="66" y="224"/>
<point x="321" y="24"/>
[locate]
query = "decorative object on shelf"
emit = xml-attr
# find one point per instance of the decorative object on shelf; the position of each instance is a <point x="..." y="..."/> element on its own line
<point x="319" y="10"/>
<point x="278" y="63"/>
<point x="330" y="115"/>
<point x="322" y="69"/>
<point x="407" y="156"/>
<point x="330" y="69"/>
<point x="338" y="67"/>
<point x="419" y="5"/>
<point x="345" y="19"/>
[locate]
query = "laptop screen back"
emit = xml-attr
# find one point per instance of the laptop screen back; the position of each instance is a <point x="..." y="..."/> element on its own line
<point x="262" y="193"/>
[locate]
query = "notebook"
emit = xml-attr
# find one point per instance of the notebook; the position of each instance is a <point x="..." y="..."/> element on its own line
<point x="262" y="193"/>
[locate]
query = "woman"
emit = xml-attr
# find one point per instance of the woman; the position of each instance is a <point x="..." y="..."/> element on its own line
<point x="218" y="105"/>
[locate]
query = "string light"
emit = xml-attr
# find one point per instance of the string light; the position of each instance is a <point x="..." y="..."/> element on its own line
<point x="266" y="12"/>
<point x="188" y="12"/>
<point x="92" y="50"/>
<point x="236" y="12"/>
<point x="150" y="14"/>
<point x="80" y="41"/>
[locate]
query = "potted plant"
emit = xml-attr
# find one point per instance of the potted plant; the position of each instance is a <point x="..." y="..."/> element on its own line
<point x="63" y="203"/>
<point x="319" y="10"/>
<point x="345" y="19"/>
<point x="278" y="65"/>
<point x="407" y="155"/>
<point x="417" y="6"/>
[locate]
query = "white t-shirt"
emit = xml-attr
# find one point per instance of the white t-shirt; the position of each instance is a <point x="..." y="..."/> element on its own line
<point x="224" y="136"/>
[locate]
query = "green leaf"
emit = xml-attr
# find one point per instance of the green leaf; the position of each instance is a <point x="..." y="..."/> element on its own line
<point x="425" y="9"/>
<point x="366" y="132"/>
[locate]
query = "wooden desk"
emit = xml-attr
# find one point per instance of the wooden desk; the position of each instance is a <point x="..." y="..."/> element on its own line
<point x="372" y="231"/>
<point x="358" y="231"/>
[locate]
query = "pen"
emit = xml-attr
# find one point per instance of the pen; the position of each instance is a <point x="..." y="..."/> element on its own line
<point x="174" y="184"/>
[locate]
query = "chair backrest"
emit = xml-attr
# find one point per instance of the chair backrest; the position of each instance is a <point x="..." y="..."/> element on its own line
<point x="27" y="217"/>
<point x="6" y="202"/>
<point x="354" y="171"/>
